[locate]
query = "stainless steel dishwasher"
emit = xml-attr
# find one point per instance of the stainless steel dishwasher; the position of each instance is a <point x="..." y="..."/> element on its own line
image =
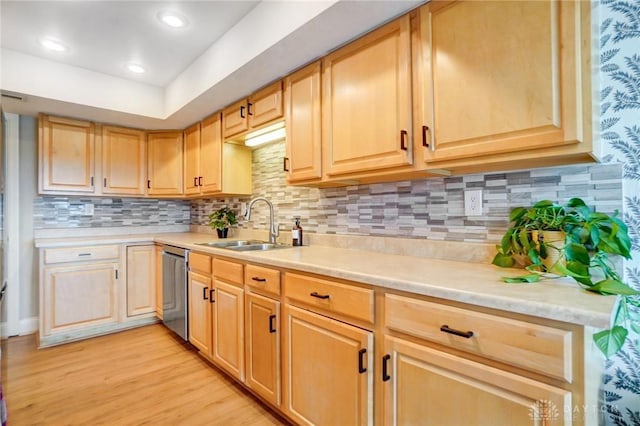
<point x="175" y="313"/>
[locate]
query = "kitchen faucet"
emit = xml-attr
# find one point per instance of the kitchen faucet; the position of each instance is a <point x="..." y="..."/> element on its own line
<point x="274" y="228"/>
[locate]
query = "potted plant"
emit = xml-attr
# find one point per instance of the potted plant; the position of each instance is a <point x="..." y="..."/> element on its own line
<point x="221" y="220"/>
<point x="590" y="240"/>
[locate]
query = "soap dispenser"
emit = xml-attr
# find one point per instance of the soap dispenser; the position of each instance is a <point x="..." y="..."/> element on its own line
<point x="296" y="233"/>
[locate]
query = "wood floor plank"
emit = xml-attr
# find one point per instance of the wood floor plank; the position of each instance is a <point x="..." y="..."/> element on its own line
<point x="143" y="376"/>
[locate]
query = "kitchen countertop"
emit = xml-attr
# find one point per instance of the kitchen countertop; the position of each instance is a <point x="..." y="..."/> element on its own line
<point x="473" y="283"/>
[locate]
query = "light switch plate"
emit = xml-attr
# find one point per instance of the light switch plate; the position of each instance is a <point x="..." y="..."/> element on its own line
<point x="473" y="202"/>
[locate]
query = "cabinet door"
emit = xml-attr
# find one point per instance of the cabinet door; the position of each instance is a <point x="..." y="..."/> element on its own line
<point x="496" y="77"/>
<point x="366" y="109"/>
<point x="200" y="312"/>
<point x="78" y="296"/>
<point x="158" y="250"/>
<point x="328" y="370"/>
<point x="164" y="168"/>
<point x="66" y="156"/>
<point x="265" y="105"/>
<point x="211" y="154"/>
<point x="192" y="177"/>
<point x="228" y="328"/>
<point x="141" y="280"/>
<point x="123" y="161"/>
<point x="303" y="118"/>
<point x="234" y="119"/>
<point x="462" y="392"/>
<point x="263" y="347"/>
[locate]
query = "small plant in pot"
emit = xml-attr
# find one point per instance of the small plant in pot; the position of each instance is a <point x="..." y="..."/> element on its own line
<point x="221" y="220"/>
<point x="583" y="250"/>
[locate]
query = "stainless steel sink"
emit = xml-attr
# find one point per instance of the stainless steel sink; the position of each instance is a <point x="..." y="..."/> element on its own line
<point x="243" y="245"/>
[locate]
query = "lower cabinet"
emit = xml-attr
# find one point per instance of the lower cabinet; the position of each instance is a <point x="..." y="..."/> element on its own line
<point x="328" y="370"/>
<point x="78" y="296"/>
<point x="200" y="323"/>
<point x="141" y="280"/>
<point x="262" y="346"/>
<point x="462" y="392"/>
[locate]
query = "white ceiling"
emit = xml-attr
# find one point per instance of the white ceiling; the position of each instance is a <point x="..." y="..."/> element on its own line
<point x="229" y="49"/>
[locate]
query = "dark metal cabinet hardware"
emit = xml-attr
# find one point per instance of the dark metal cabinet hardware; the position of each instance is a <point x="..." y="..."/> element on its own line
<point x="361" y="368"/>
<point x="385" y="368"/>
<point x="211" y="300"/>
<point x="258" y="279"/>
<point x="319" y="296"/>
<point x="466" y="334"/>
<point x="204" y="293"/>
<point x="425" y="129"/>
<point x="403" y="139"/>
<point x="242" y="108"/>
<point x="285" y="165"/>
<point x="272" y="327"/>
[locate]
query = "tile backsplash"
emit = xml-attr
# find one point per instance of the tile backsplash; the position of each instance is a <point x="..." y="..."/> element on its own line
<point x="430" y="208"/>
<point x="51" y="212"/>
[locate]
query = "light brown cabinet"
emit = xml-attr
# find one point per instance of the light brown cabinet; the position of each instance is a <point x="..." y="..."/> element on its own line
<point x="260" y="108"/>
<point x="214" y="167"/>
<point x="66" y="158"/>
<point x="123" y="161"/>
<point x="302" y="99"/>
<point x="200" y="295"/>
<point x="328" y="370"/>
<point x="141" y="280"/>
<point x="164" y="163"/>
<point x="367" y="103"/>
<point x="523" y="95"/>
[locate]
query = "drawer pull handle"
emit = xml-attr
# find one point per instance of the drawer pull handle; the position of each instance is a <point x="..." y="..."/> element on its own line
<point x="84" y="254"/>
<point x="319" y="296"/>
<point x="204" y="293"/>
<point x="385" y="368"/>
<point x="272" y="328"/>
<point x="211" y="295"/>
<point x="258" y="279"/>
<point x="466" y="334"/>
<point x="361" y="367"/>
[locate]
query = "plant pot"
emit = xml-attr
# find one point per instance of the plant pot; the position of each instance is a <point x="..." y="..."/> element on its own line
<point x="554" y="242"/>
<point x="222" y="233"/>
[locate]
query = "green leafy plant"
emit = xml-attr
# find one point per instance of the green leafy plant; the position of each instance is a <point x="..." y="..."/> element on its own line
<point x="222" y="218"/>
<point x="591" y="240"/>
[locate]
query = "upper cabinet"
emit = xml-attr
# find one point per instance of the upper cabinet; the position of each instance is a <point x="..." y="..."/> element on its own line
<point x="123" y="161"/>
<point x="260" y="108"/>
<point x="214" y="167"/>
<point x="303" y="121"/>
<point x="499" y="79"/>
<point x="66" y="156"/>
<point x="366" y="110"/>
<point x="164" y="163"/>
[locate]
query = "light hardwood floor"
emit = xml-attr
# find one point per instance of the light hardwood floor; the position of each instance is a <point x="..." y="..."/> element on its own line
<point x="143" y="376"/>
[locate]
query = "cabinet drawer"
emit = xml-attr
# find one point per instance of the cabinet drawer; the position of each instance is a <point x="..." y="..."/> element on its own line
<point x="200" y="263"/>
<point x="542" y="349"/>
<point x="344" y="299"/>
<point x="75" y="254"/>
<point x="265" y="279"/>
<point x="228" y="271"/>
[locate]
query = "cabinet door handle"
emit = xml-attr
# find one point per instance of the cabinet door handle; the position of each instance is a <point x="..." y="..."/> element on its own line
<point x="148" y="183"/>
<point x="211" y="295"/>
<point x="385" y="368"/>
<point x="249" y="105"/>
<point x="104" y="182"/>
<point x="116" y="274"/>
<point x="91" y="180"/>
<point x="466" y="334"/>
<point x="258" y="279"/>
<point x="285" y="164"/>
<point x="403" y="139"/>
<point x="84" y="254"/>
<point x="242" y="111"/>
<point x="272" y="328"/>
<point x="361" y="367"/>
<point x="425" y="129"/>
<point x="204" y="293"/>
<point x="199" y="180"/>
<point x="319" y="296"/>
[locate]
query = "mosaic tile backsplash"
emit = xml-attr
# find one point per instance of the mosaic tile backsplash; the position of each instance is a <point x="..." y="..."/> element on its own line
<point x="431" y="208"/>
<point x="52" y="212"/>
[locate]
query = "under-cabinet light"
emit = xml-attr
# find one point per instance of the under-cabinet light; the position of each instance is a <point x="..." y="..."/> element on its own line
<point x="266" y="135"/>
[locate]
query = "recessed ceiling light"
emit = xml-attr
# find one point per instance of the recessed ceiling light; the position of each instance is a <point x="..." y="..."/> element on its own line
<point x="136" y="68"/>
<point x="53" y="44"/>
<point x="172" y="19"/>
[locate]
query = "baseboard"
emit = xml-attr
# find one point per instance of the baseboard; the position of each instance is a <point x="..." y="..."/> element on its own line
<point x="26" y="326"/>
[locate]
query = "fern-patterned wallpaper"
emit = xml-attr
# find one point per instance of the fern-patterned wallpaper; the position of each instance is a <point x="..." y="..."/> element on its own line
<point x="620" y="127"/>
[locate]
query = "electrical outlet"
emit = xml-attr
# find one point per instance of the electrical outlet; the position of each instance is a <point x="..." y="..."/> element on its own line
<point x="473" y="202"/>
<point x="88" y="209"/>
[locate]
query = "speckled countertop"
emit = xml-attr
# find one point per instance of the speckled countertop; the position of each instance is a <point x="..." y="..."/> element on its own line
<point x="473" y="283"/>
